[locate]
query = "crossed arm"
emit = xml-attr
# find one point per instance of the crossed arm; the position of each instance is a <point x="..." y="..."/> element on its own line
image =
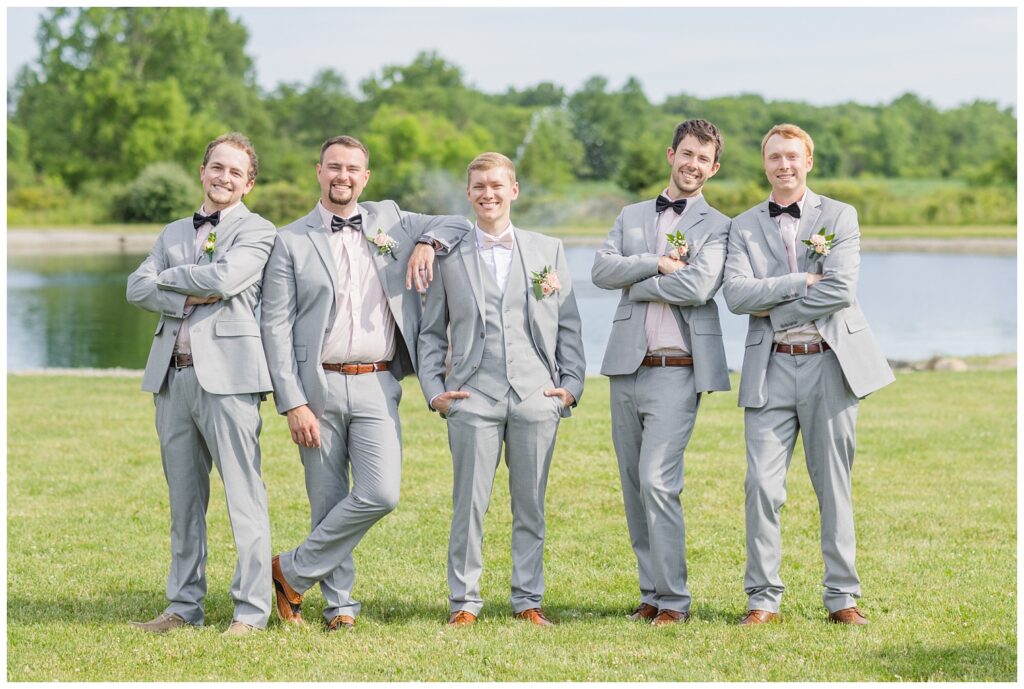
<point x="692" y="283"/>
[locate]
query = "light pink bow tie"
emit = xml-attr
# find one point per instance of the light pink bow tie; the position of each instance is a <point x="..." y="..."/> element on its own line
<point x="491" y="242"/>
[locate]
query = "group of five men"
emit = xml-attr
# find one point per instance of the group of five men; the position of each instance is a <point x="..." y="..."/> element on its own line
<point x="496" y="344"/>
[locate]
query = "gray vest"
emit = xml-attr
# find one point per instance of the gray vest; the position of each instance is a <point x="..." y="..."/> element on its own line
<point x="509" y="358"/>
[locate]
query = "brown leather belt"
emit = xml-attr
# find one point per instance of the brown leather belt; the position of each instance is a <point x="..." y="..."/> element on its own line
<point x="651" y="360"/>
<point x="356" y="369"/>
<point x="181" y="360"/>
<point x="814" y="348"/>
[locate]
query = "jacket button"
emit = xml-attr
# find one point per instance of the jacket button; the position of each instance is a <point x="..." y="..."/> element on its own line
<point x="175" y="331"/>
<point x="481" y="336"/>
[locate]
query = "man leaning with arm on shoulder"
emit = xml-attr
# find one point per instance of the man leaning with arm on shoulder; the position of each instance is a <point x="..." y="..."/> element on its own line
<point x="208" y="375"/>
<point x="340" y="332"/>
<point x="665" y="349"/>
<point x="793" y="267"/>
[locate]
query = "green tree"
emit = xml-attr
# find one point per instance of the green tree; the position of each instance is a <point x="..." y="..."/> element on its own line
<point x="551" y="156"/>
<point x="116" y="88"/>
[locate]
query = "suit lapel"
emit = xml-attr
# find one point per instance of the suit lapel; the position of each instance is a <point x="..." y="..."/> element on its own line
<point x="187" y="240"/>
<point x="318" y="234"/>
<point x="471" y="260"/>
<point x="772" y="236"/>
<point x="808" y="226"/>
<point x="531" y="260"/>
<point x="650" y="227"/>
<point x="693" y="217"/>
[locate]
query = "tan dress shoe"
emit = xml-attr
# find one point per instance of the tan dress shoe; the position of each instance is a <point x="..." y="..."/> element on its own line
<point x="534" y="616"/>
<point x="237" y="628"/>
<point x="289" y="603"/>
<point x="461" y="618"/>
<point x="345" y="622"/>
<point x="760" y="617"/>
<point x="848" y="616"/>
<point x="645" y="612"/>
<point x="161" y="624"/>
<point x="667" y="617"/>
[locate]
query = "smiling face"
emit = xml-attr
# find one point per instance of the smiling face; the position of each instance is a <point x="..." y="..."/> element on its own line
<point x="786" y="164"/>
<point x="343" y="173"/>
<point x="491" y="193"/>
<point x="225" y="177"/>
<point x="693" y="164"/>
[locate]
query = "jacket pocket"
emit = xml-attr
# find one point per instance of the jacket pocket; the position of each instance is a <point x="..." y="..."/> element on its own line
<point x="300" y="352"/>
<point x="236" y="329"/>
<point x="623" y="312"/>
<point x="754" y="337"/>
<point x="856" y="322"/>
<point x="707" y="326"/>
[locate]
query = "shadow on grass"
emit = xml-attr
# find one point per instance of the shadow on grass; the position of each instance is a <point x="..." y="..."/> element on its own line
<point x="970" y="663"/>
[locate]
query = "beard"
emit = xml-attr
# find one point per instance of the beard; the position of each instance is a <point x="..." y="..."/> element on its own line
<point x="340" y="198"/>
<point x="218" y="195"/>
<point x="687" y="186"/>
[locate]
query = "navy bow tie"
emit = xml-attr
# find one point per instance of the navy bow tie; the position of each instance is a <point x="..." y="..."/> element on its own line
<point x="775" y="209"/>
<point x="198" y="219"/>
<point x="661" y="203"/>
<point x="355" y="222"/>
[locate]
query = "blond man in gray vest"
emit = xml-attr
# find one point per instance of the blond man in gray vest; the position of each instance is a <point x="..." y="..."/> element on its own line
<point x="793" y="266"/>
<point x="517" y="367"/>
<point x="207" y="372"/>
<point x="664" y="351"/>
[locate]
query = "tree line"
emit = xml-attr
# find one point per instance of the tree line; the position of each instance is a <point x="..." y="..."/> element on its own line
<point x="114" y="91"/>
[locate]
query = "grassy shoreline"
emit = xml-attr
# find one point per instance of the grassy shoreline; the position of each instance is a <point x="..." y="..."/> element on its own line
<point x="935" y="498"/>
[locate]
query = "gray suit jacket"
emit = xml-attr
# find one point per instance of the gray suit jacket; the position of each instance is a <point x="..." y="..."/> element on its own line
<point x="299" y="296"/>
<point x="457" y="297"/>
<point x="226" y="344"/>
<point x="627" y="261"/>
<point x="757" y="278"/>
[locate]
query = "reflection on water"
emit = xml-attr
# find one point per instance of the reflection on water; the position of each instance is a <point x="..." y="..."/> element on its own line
<point x="70" y="311"/>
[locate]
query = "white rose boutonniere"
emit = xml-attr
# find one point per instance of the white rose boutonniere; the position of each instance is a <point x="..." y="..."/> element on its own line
<point x="210" y="245"/>
<point x="679" y="249"/>
<point x="545" y="283"/>
<point x="819" y="244"/>
<point x="384" y="242"/>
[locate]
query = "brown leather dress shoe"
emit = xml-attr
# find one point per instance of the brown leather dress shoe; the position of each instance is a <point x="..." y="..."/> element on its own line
<point x="643" y="613"/>
<point x="161" y="624"/>
<point x="289" y="603"/>
<point x="534" y="616"/>
<point x="461" y="618"/>
<point x="667" y="617"/>
<point x="760" y="617"/>
<point x="237" y="628"/>
<point x="848" y="616"/>
<point x="345" y="622"/>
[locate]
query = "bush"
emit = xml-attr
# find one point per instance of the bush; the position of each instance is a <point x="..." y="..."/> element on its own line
<point x="161" y="192"/>
<point x="281" y="202"/>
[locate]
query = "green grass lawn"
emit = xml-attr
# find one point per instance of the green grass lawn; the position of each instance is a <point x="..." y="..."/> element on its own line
<point x="935" y="495"/>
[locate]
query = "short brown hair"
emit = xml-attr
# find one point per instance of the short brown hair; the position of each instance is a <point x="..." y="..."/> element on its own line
<point x="789" y="131"/>
<point x="347" y="142"/>
<point x="704" y="131"/>
<point x="242" y="143"/>
<point x="489" y="161"/>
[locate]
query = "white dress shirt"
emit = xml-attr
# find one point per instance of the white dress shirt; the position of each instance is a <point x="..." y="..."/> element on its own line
<point x="498" y="259"/>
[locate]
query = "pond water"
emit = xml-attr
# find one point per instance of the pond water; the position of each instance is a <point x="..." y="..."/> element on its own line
<point x="70" y="311"/>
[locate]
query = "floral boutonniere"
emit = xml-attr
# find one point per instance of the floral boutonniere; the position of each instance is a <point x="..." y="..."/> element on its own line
<point x="545" y="283"/>
<point x="819" y="243"/>
<point x="210" y="245"/>
<point x="385" y="243"/>
<point x="679" y="247"/>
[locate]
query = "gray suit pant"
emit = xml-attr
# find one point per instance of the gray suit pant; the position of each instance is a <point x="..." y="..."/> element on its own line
<point x="197" y="430"/>
<point x="359" y="432"/>
<point x="653" y="413"/>
<point x="477" y="426"/>
<point x="806" y="394"/>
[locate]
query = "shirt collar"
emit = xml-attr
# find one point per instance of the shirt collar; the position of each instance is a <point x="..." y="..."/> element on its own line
<point x="224" y="213"/>
<point x="326" y="216"/>
<point x="481" y="235"/>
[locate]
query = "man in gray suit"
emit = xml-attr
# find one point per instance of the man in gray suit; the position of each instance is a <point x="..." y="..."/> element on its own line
<point x="517" y="367"/>
<point x="340" y="332"/>
<point x="664" y="351"/>
<point x="208" y="374"/>
<point x="810" y="355"/>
